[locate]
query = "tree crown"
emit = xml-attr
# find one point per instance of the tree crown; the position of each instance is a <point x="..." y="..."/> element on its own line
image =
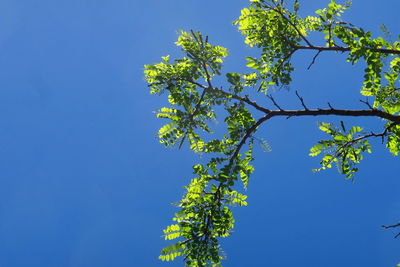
<point x="278" y="31"/>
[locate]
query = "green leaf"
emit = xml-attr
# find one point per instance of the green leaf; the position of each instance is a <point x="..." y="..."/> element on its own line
<point x="296" y="6"/>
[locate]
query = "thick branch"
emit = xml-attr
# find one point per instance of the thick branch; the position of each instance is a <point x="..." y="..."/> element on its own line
<point x="346" y="49"/>
<point x="290" y="113"/>
<point x="311" y="112"/>
<point x="307" y="112"/>
<point x="317" y="112"/>
<point x="339" y="112"/>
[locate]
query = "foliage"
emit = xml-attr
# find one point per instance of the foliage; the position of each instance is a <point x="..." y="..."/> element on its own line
<point x="278" y="31"/>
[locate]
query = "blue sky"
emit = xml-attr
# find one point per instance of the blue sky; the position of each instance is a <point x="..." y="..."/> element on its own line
<point x="84" y="181"/>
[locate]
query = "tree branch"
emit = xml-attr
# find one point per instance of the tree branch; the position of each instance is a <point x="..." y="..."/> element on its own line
<point x="301" y="100"/>
<point x="243" y="99"/>
<point x="392" y="226"/>
<point x="346" y="49"/>
<point x="287" y="57"/>
<point x="230" y="95"/>
<point x="313" y="60"/>
<point x="293" y="25"/>
<point x="339" y="112"/>
<point x="314" y="112"/>
<point x="372" y="134"/>
<point x="247" y="135"/>
<point x="274" y="102"/>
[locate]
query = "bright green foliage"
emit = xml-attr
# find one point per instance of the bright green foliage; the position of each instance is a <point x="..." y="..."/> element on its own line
<point x="266" y="29"/>
<point x="278" y="31"/>
<point x="393" y="142"/>
<point x="344" y="148"/>
<point x="204" y="213"/>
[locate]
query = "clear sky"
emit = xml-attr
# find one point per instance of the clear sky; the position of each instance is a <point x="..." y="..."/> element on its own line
<point x="84" y="181"/>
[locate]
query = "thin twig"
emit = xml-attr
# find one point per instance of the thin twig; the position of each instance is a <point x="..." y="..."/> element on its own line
<point x="382" y="134"/>
<point x="288" y="56"/>
<point x="366" y="103"/>
<point x="243" y="99"/>
<point x="293" y="25"/>
<point x="230" y="95"/>
<point x="301" y="100"/>
<point x="313" y="60"/>
<point x="343" y="127"/>
<point x="208" y="76"/>
<point x="274" y="102"/>
<point x="392" y="226"/>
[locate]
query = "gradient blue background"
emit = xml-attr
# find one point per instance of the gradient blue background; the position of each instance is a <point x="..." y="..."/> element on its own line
<point x="84" y="181"/>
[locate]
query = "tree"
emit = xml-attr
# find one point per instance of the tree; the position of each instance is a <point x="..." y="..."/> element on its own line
<point x="278" y="31"/>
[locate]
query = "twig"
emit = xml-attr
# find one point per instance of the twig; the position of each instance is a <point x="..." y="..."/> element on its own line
<point x="195" y="83"/>
<point x="313" y="60"/>
<point x="247" y="135"/>
<point x="366" y="103"/>
<point x="288" y="56"/>
<point x="382" y="134"/>
<point x="230" y="95"/>
<point x="342" y="124"/>
<point x="392" y="226"/>
<point x="208" y="77"/>
<point x="243" y="99"/>
<point x="274" y="102"/>
<point x="301" y="100"/>
<point x="293" y="25"/>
